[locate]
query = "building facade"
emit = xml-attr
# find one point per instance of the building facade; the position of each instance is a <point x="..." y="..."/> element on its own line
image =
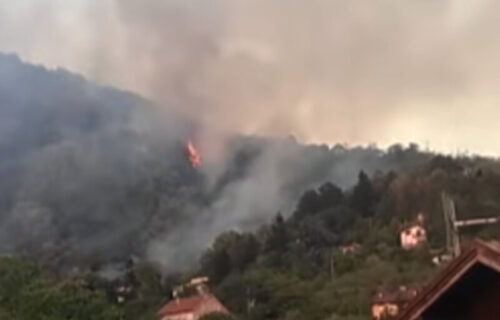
<point x="413" y="237"/>
<point x="387" y="305"/>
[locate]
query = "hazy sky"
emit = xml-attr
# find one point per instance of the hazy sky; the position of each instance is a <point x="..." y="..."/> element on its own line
<point x="326" y="71"/>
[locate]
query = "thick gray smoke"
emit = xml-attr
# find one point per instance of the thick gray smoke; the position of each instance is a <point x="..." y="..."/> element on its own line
<point x="76" y="162"/>
<point x="278" y="173"/>
<point x="91" y="174"/>
<point x="348" y="71"/>
<point x="109" y="167"/>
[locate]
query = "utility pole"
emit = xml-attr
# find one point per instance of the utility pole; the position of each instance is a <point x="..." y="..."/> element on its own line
<point x="452" y="225"/>
<point x="450" y="217"/>
<point x="332" y="266"/>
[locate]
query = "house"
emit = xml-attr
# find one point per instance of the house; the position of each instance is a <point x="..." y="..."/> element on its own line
<point x="194" y="306"/>
<point x="414" y="235"/>
<point x="388" y="304"/>
<point x="350" y="249"/>
<point x="191" y="308"/>
<point x="468" y="288"/>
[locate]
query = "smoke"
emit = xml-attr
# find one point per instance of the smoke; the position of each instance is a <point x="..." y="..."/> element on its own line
<point x="333" y="71"/>
<point x="264" y="177"/>
<point x="355" y="72"/>
<point x="90" y="174"/>
<point x="78" y="162"/>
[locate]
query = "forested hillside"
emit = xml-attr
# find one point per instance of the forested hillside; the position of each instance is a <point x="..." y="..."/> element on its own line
<point x="293" y="267"/>
<point x="296" y="268"/>
<point x="97" y="192"/>
<point x="90" y="174"/>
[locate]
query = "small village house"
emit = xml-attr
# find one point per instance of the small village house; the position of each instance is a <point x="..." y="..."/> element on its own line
<point x="387" y="305"/>
<point x="414" y="235"/>
<point x="350" y="248"/>
<point x="194" y="306"/>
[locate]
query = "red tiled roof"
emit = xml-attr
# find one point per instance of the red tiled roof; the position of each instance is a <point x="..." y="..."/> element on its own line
<point x="397" y="296"/>
<point x="183" y="305"/>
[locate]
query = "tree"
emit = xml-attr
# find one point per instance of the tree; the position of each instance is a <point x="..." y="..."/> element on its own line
<point x="150" y="293"/>
<point x="278" y="237"/>
<point x="216" y="264"/>
<point x="276" y="243"/>
<point x="309" y="203"/>
<point x="330" y="195"/>
<point x="243" y="251"/>
<point x="230" y="251"/>
<point x="27" y="292"/>
<point x="363" y="196"/>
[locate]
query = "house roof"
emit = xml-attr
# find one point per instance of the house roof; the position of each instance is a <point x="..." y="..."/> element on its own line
<point x="480" y="253"/>
<point x="402" y="295"/>
<point x="409" y="226"/>
<point x="183" y="305"/>
<point x="186" y="305"/>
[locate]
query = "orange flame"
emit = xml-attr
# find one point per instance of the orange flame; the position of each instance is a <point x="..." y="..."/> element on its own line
<point x="194" y="155"/>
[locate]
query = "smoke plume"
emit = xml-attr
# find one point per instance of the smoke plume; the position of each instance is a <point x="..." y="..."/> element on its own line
<point x="103" y="171"/>
<point x="334" y="71"/>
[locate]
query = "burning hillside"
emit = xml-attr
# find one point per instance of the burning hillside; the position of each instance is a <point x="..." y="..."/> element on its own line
<point x="110" y="176"/>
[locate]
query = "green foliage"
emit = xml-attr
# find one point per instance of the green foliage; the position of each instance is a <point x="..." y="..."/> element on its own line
<point x="294" y="267"/>
<point x="26" y="292"/>
<point x="297" y="269"/>
<point x="363" y="196"/>
<point x="149" y="296"/>
<point x="216" y="263"/>
<point x="277" y="240"/>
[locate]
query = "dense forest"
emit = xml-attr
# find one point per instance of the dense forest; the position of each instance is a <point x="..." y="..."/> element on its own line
<point x="295" y="268"/>
<point x="97" y="193"/>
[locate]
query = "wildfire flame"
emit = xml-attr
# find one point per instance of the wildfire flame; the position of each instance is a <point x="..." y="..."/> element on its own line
<point x="194" y="155"/>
